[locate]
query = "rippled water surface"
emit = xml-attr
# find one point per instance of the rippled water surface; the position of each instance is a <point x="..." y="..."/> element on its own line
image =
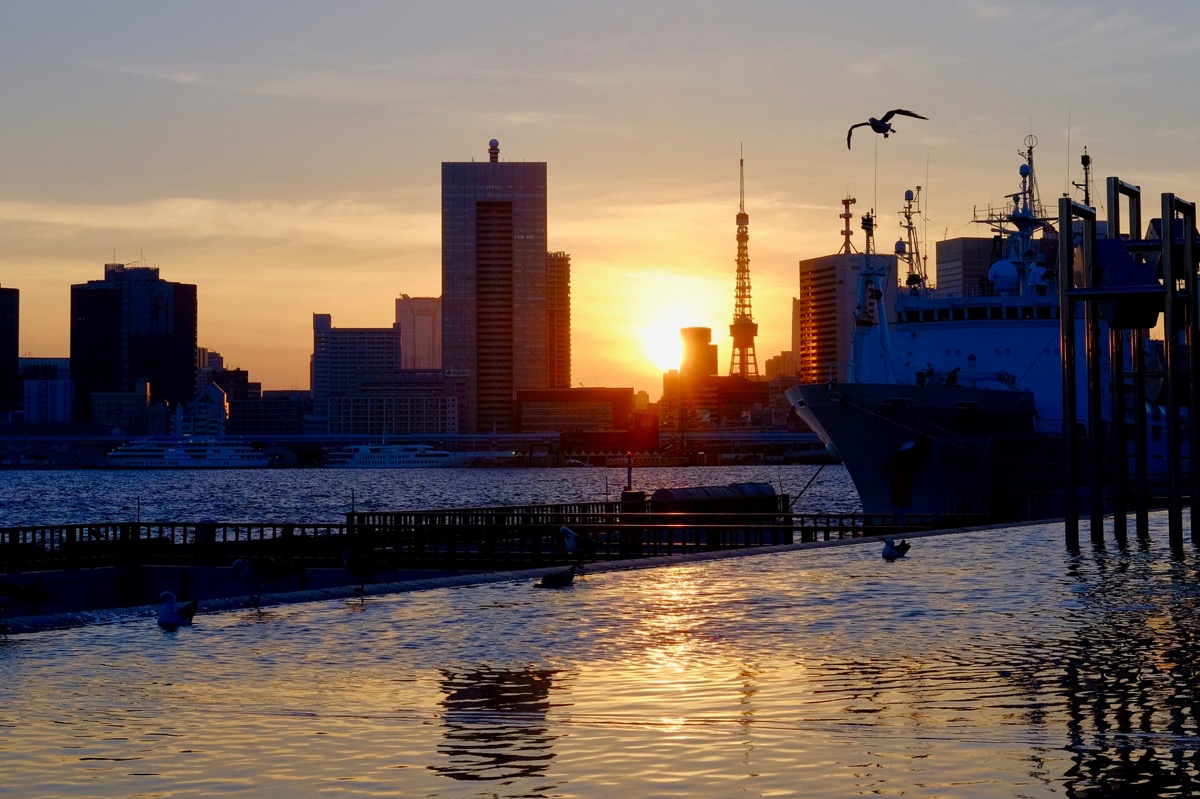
<point x="985" y="664"/>
<point x="325" y="495"/>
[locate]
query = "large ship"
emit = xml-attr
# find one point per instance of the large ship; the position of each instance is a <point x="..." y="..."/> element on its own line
<point x="186" y="452"/>
<point x="953" y="405"/>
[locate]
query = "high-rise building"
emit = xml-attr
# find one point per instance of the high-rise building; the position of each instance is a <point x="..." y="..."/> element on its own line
<point x="558" y="318"/>
<point x="10" y="322"/>
<point x="344" y="356"/>
<point x="130" y="327"/>
<point x="824" y="311"/>
<point x="420" y="320"/>
<point x="496" y="325"/>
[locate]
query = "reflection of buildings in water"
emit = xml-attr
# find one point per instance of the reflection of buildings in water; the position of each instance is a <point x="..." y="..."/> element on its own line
<point x="495" y="724"/>
<point x="1130" y="680"/>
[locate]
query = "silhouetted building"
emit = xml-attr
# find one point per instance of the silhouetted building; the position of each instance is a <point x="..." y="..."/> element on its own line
<point x="128" y="329"/>
<point x="962" y="264"/>
<point x="235" y="383"/>
<point x="206" y="415"/>
<point x="696" y="397"/>
<point x="274" y="413"/>
<point x="564" y="409"/>
<point x="699" y="355"/>
<point x="824" y="312"/>
<point x="343" y="356"/>
<point x="420" y="320"/>
<point x="496" y="322"/>
<point x="10" y="325"/>
<point x="558" y="319"/>
<point x="396" y="402"/>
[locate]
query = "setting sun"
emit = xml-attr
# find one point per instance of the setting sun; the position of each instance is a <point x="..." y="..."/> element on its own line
<point x="661" y="343"/>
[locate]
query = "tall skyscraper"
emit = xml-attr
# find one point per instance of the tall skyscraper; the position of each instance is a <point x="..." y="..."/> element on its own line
<point x="420" y="320"/>
<point x="130" y="327"/>
<point x="495" y="311"/>
<point x="10" y="319"/>
<point x="558" y="318"/>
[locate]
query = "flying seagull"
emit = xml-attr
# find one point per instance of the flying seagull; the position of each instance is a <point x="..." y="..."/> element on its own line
<point x="892" y="550"/>
<point x="172" y="616"/>
<point x="883" y="125"/>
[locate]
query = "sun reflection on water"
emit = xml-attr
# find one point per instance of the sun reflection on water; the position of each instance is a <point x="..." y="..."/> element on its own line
<point x="963" y="671"/>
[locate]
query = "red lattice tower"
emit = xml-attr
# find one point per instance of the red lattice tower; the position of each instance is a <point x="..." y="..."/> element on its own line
<point x="743" y="330"/>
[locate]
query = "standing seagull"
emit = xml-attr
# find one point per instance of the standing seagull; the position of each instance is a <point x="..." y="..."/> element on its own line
<point x="884" y="125"/>
<point x="172" y="616"/>
<point x="579" y="546"/>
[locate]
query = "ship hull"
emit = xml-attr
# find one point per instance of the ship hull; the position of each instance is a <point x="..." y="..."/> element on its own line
<point x="938" y="450"/>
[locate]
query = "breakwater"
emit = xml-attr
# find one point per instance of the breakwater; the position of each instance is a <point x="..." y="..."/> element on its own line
<point x="67" y="568"/>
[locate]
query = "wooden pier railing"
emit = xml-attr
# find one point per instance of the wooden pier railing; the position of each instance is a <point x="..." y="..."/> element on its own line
<point x="461" y="539"/>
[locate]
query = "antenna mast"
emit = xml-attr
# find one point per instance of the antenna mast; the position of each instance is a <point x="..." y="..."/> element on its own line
<point x="908" y="248"/>
<point x="743" y="330"/>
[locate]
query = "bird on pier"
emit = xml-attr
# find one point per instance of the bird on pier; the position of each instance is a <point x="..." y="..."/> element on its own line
<point x="882" y="125"/>
<point x="562" y="579"/>
<point x="893" y="550"/>
<point x="362" y="565"/>
<point x="172" y="616"/>
<point x="578" y="545"/>
<point x="15" y="595"/>
<point x="260" y="571"/>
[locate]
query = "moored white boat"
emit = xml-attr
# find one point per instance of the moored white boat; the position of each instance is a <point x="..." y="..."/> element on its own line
<point x="410" y="456"/>
<point x="186" y="452"/>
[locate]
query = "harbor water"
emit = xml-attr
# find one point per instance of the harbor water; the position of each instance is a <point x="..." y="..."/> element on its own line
<point x="991" y="663"/>
<point x="325" y="495"/>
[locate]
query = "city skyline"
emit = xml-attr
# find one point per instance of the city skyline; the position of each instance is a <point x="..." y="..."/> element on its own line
<point x="285" y="159"/>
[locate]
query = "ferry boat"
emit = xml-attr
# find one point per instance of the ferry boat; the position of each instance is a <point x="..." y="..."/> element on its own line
<point x="186" y="452"/>
<point x="410" y="456"/>
<point x="953" y="405"/>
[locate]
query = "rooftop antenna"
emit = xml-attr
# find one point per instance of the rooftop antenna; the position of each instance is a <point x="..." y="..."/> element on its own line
<point x="1086" y="185"/>
<point x="846" y="216"/>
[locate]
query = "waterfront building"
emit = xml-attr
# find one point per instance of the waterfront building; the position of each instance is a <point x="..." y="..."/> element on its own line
<point x="583" y="409"/>
<point x="10" y="325"/>
<point x="696" y="397"/>
<point x="206" y="416"/>
<point x="343" y="356"/>
<point x="420" y="321"/>
<point x="824" y="312"/>
<point x="558" y="319"/>
<point x="129" y="329"/>
<point x="271" y="413"/>
<point x="497" y="317"/>
<point x="398" y="402"/>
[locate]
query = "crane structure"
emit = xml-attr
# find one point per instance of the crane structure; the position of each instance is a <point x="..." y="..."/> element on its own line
<point x="744" y="329"/>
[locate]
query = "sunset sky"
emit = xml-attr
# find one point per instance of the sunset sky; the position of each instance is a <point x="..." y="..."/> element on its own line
<point x="285" y="156"/>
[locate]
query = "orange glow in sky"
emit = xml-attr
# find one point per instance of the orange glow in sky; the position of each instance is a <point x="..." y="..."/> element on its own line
<point x="286" y="157"/>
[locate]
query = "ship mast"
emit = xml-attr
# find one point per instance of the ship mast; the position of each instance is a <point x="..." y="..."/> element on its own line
<point x="908" y="249"/>
<point x="743" y="330"/>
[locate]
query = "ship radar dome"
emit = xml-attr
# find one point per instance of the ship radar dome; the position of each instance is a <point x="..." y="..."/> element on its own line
<point x="1025" y="170"/>
<point x="1003" y="276"/>
<point x="908" y="195"/>
<point x="900" y="246"/>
